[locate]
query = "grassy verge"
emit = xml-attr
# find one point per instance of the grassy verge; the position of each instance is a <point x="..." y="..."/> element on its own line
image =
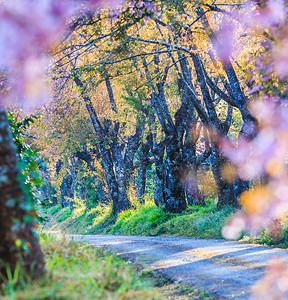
<point x="146" y="220"/>
<point x="278" y="236"/>
<point x="149" y="220"/>
<point x="78" y="271"/>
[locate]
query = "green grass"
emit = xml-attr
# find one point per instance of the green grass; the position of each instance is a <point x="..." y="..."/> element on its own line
<point x="277" y="237"/>
<point x="146" y="220"/>
<point x="78" y="271"/>
<point x="95" y="220"/>
<point x="142" y="220"/>
<point x="64" y="215"/>
<point x="199" y="222"/>
<point x="54" y="209"/>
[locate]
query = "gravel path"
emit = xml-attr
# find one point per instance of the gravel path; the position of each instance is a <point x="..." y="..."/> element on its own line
<point x="224" y="268"/>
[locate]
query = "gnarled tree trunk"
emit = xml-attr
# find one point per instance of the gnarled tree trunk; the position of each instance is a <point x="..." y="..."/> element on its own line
<point x="143" y="164"/>
<point x="158" y="153"/>
<point x="175" y="200"/>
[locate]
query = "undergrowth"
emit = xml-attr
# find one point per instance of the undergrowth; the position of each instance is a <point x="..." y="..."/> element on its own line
<point x="78" y="271"/>
<point x="147" y="220"/>
<point x="65" y="214"/>
<point x="54" y="209"/>
<point x="199" y="222"/>
<point x="278" y="236"/>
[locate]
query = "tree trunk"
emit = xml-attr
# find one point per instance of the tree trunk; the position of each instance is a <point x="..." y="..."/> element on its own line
<point x="65" y="190"/>
<point x="12" y="203"/>
<point x="99" y="184"/>
<point x="190" y="166"/>
<point x="225" y="189"/>
<point x="175" y="200"/>
<point x="159" y="192"/>
<point x="144" y="162"/>
<point x="73" y="170"/>
<point x="121" y="173"/>
<point x="191" y="186"/>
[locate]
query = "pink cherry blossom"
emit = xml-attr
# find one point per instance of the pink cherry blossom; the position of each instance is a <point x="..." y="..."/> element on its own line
<point x="27" y="29"/>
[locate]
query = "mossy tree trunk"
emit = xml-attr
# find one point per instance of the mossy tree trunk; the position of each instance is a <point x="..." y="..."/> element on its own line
<point x="158" y="150"/>
<point x="18" y="242"/>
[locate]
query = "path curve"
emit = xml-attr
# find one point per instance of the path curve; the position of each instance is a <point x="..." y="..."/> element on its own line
<point x="224" y="268"/>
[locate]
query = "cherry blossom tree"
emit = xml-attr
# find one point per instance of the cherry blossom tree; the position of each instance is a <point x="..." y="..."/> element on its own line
<point x="265" y="156"/>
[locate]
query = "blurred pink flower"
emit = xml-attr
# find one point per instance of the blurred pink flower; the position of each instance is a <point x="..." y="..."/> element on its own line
<point x="274" y="284"/>
<point x="225" y="36"/>
<point x="27" y="29"/>
<point x="253" y="159"/>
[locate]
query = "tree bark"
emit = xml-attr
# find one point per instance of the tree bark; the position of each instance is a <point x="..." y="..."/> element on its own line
<point x="12" y="204"/>
<point x="226" y="196"/>
<point x="190" y="165"/>
<point x="175" y="200"/>
<point x="144" y="162"/>
<point x="67" y="191"/>
<point x="160" y="182"/>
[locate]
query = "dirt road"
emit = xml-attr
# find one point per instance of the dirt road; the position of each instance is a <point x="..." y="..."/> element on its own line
<point x="224" y="268"/>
